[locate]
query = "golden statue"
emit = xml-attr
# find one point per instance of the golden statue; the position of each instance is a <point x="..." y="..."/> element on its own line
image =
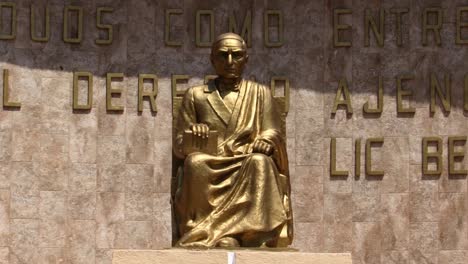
<point x="234" y="183"/>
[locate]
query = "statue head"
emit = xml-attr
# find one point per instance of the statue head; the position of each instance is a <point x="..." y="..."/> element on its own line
<point x="229" y="55"/>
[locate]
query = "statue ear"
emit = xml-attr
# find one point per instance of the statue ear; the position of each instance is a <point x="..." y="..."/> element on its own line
<point x="246" y="58"/>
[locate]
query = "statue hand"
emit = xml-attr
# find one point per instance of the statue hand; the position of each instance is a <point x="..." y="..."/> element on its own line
<point x="260" y="146"/>
<point x="200" y="130"/>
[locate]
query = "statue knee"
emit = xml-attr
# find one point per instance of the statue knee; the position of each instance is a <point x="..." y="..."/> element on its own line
<point x="194" y="159"/>
<point x="259" y="157"/>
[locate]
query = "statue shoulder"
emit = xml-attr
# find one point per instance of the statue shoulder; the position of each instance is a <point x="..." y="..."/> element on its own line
<point x="195" y="91"/>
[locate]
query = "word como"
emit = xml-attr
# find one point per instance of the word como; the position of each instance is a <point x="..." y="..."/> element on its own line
<point x="73" y="25"/>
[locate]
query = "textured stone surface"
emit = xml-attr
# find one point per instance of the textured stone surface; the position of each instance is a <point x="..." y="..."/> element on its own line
<point x="221" y="256"/>
<point x="75" y="185"/>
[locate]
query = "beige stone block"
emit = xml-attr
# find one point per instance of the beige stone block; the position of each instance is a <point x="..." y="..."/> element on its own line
<point x="163" y="164"/>
<point x="111" y="150"/>
<point x="453" y="256"/>
<point x="395" y="221"/>
<point x="139" y="138"/>
<point x="53" y="232"/>
<point x="424" y="236"/>
<point x="162" y="221"/>
<point x="82" y="177"/>
<point x="221" y="256"/>
<point x="56" y="93"/>
<point x="140" y="234"/>
<point x="395" y="163"/>
<point x="4" y="217"/>
<point x="24" y="233"/>
<point x="344" y="162"/>
<point x="366" y="207"/>
<point x="308" y="237"/>
<point x="140" y="178"/>
<point x="82" y="206"/>
<point x="337" y="226"/>
<point x="367" y="245"/>
<point x="163" y="119"/>
<point x="55" y="121"/>
<point x="53" y="175"/>
<point x="138" y="206"/>
<point x="24" y="145"/>
<point x="111" y="123"/>
<point x="307" y="193"/>
<point x="394" y="257"/>
<point x="52" y="255"/>
<point x="111" y="177"/>
<point x="5" y="145"/>
<point x="453" y="223"/>
<point x="4" y="255"/>
<point x="82" y="241"/>
<point x="422" y="183"/>
<point x="83" y="137"/>
<point x="104" y="256"/>
<point x="53" y="205"/>
<point x="24" y="204"/>
<point x="5" y="170"/>
<point x="110" y="217"/>
<point x="424" y="206"/>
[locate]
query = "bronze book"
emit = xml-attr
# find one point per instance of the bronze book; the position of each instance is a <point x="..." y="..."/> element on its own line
<point x="197" y="144"/>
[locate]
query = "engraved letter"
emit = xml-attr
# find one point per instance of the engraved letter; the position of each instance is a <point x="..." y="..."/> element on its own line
<point x="266" y="26"/>
<point x="369" y="143"/>
<point x="437" y="156"/>
<point x="346" y="101"/>
<point x="6" y="92"/>
<point x="79" y="35"/>
<point x="246" y="32"/>
<point x="337" y="27"/>
<point x="379" y="33"/>
<point x="461" y="25"/>
<point x="333" y="170"/>
<point x="89" y="102"/>
<point x="167" y="27"/>
<point x="401" y="93"/>
<point x="111" y="91"/>
<point x="398" y="14"/>
<point x="379" y="108"/>
<point x="12" y="34"/>
<point x="435" y="89"/>
<point x="434" y="27"/>
<point x="273" y="82"/>
<point x="151" y="95"/>
<point x="46" y="28"/>
<point x="102" y="26"/>
<point x="453" y="155"/>
<point x="198" y="40"/>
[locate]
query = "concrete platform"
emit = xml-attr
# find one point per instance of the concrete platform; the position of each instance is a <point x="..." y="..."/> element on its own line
<point x="215" y="256"/>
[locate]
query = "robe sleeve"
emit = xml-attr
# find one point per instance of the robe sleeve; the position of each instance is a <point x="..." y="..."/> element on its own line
<point x="271" y="131"/>
<point x="187" y="117"/>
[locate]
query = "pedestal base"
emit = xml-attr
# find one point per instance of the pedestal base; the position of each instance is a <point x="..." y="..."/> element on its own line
<point x="215" y="256"/>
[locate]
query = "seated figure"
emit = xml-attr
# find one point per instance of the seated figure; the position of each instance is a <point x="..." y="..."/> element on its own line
<point x="238" y="193"/>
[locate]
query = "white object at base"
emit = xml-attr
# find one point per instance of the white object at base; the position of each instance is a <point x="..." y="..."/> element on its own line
<point x="231" y="258"/>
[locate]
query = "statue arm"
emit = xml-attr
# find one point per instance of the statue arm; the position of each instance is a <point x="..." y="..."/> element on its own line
<point x="187" y="117"/>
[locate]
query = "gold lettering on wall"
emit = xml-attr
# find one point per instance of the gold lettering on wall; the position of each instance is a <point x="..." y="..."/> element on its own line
<point x="379" y="33"/>
<point x="435" y="28"/>
<point x="6" y="91"/>
<point x="333" y="170"/>
<point x="456" y="155"/>
<point x="398" y="15"/>
<point x="12" y="7"/>
<point x="446" y="98"/>
<point x="266" y="26"/>
<point x="357" y="158"/>
<point x="434" y="156"/>
<point x="246" y="31"/>
<point x="286" y="93"/>
<point x="46" y="26"/>
<point x="89" y="79"/>
<point x="465" y="94"/>
<point x="150" y="95"/>
<point x="198" y="39"/>
<point x="110" y="92"/>
<point x="174" y="79"/>
<point x="337" y="27"/>
<point x="380" y="103"/>
<point x="404" y="93"/>
<point x="66" y="34"/>
<point x="369" y="143"/>
<point x="461" y="24"/>
<point x="167" y="27"/>
<point x="102" y="26"/>
<point x="342" y="92"/>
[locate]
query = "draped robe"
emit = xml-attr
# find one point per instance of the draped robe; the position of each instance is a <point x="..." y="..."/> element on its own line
<point x="236" y="193"/>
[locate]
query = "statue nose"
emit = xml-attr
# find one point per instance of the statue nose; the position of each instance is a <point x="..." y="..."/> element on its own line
<point x="229" y="61"/>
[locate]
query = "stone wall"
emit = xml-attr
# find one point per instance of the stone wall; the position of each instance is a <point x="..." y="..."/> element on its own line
<point x="75" y="184"/>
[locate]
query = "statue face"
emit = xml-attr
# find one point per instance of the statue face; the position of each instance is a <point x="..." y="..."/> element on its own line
<point x="229" y="57"/>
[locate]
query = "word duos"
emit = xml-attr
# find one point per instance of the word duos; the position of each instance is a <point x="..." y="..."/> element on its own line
<point x="73" y="25"/>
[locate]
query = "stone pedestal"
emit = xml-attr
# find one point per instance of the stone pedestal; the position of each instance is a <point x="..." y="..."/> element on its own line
<point x="215" y="256"/>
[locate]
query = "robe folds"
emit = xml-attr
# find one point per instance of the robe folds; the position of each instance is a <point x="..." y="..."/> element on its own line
<point x="237" y="193"/>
